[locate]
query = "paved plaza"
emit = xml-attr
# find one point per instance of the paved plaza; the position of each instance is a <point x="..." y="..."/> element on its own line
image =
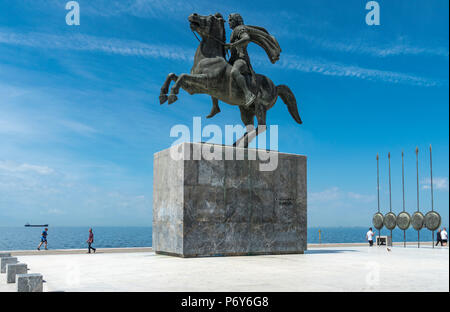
<point x="345" y="268"/>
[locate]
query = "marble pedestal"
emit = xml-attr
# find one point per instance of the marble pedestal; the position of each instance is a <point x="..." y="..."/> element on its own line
<point x="230" y="206"/>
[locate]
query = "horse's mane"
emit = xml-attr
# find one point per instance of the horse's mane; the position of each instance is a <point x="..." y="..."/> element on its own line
<point x="224" y="34"/>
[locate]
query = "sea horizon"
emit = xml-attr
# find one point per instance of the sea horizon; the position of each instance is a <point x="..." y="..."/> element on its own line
<point x="74" y="237"/>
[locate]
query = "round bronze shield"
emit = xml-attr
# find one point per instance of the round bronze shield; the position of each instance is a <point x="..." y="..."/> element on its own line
<point x="432" y="220"/>
<point x="417" y="220"/>
<point x="377" y="220"/>
<point x="403" y="220"/>
<point x="390" y="220"/>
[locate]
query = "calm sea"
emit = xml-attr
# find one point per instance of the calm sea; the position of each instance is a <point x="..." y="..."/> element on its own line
<point x="22" y="238"/>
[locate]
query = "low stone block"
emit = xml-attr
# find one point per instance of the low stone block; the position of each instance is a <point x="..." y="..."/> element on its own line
<point x="5" y="261"/>
<point x="5" y="254"/>
<point x="30" y="282"/>
<point x="13" y="269"/>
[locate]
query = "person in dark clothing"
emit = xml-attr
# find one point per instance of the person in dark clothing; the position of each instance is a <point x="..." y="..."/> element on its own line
<point x="438" y="237"/>
<point x="90" y="241"/>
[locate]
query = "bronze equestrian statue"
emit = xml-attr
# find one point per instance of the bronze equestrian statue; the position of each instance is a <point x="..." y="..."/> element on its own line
<point x="234" y="81"/>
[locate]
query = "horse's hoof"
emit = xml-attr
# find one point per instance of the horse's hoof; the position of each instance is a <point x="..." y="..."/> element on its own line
<point x="172" y="98"/>
<point x="213" y="113"/>
<point x="162" y="99"/>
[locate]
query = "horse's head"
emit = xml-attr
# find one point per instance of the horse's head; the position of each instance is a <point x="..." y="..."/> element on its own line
<point x="212" y="26"/>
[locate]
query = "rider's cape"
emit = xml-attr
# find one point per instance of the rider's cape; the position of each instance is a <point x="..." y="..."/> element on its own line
<point x="261" y="37"/>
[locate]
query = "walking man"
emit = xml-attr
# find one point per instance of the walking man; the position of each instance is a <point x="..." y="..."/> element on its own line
<point x="444" y="237"/>
<point x="438" y="237"/>
<point x="43" y="239"/>
<point x="369" y="237"/>
<point x="90" y="241"/>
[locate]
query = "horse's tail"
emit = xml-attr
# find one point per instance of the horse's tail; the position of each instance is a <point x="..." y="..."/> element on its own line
<point x="289" y="99"/>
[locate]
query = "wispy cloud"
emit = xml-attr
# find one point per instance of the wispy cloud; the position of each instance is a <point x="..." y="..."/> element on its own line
<point x="336" y="194"/>
<point x="78" y="127"/>
<point x="19" y="121"/>
<point x="135" y="48"/>
<point x="15" y="167"/>
<point x="325" y="67"/>
<point x="13" y="127"/>
<point x="80" y="42"/>
<point x="330" y="194"/>
<point x="361" y="197"/>
<point x="179" y="10"/>
<point x="439" y="183"/>
<point x="63" y="197"/>
<point x="396" y="48"/>
<point x="53" y="211"/>
<point x="156" y="9"/>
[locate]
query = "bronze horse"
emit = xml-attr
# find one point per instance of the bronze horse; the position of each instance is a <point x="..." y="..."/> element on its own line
<point x="211" y="74"/>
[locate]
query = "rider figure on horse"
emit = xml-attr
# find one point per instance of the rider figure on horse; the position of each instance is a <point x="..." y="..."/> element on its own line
<point x="242" y="71"/>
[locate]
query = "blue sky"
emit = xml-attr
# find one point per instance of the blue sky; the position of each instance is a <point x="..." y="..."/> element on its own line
<point x="80" y="118"/>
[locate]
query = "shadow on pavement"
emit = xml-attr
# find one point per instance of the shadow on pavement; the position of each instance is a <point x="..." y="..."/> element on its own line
<point x="309" y="252"/>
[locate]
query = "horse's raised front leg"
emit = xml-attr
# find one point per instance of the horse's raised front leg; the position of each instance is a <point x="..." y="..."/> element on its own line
<point x="165" y="88"/>
<point x="191" y="83"/>
<point x="215" y="108"/>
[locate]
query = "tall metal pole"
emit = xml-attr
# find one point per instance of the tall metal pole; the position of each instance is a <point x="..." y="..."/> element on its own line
<point x="378" y="182"/>
<point x="378" y="189"/>
<point x="390" y="197"/>
<point x="403" y="191"/>
<point x="431" y="181"/>
<point x="418" y="209"/>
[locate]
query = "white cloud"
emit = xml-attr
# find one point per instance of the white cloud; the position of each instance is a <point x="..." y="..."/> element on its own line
<point x="177" y="9"/>
<point x="55" y="211"/>
<point x="13" y="127"/>
<point x="67" y="199"/>
<point x="396" y="48"/>
<point x="79" y="42"/>
<point x="325" y="67"/>
<point x="78" y="127"/>
<point x="330" y="194"/>
<point x="156" y="9"/>
<point x="15" y="167"/>
<point x="334" y="194"/>
<point x="361" y="197"/>
<point x="439" y="183"/>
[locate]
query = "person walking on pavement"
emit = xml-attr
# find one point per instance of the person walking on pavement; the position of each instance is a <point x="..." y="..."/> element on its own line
<point x="90" y="241"/>
<point x="43" y="239"/>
